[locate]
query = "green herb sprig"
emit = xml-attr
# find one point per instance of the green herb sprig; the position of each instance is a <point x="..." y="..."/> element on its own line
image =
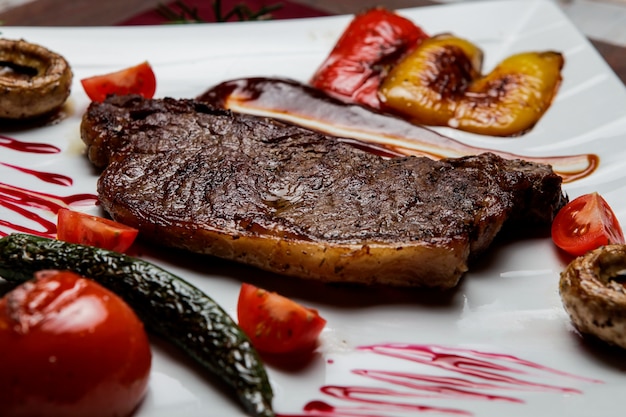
<point x="181" y="12"/>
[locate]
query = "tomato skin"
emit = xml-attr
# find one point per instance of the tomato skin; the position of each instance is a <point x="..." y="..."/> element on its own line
<point x="85" y="229"/>
<point x="584" y="224"/>
<point x="139" y="79"/>
<point x="69" y="347"/>
<point x="373" y="41"/>
<point x="276" y="324"/>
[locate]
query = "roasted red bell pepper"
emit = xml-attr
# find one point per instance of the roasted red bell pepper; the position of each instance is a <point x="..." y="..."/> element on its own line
<point x="373" y="41"/>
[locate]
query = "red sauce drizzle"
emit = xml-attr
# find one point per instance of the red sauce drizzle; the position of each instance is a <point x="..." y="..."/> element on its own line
<point x="30" y="147"/>
<point x="52" y="178"/>
<point x="469" y="375"/>
<point x="26" y="203"/>
<point x="31" y="205"/>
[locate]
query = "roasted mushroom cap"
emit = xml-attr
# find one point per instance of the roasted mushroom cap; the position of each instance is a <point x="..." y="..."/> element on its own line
<point x="594" y="294"/>
<point x="34" y="81"/>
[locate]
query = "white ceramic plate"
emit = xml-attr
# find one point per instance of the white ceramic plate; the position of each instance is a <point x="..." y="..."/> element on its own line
<point x="466" y="350"/>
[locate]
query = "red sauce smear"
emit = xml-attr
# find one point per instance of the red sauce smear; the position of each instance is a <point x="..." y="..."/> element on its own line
<point x="306" y="106"/>
<point x="27" y="203"/>
<point x="30" y="147"/>
<point x="32" y="205"/>
<point x="463" y="374"/>
<point x="52" y="178"/>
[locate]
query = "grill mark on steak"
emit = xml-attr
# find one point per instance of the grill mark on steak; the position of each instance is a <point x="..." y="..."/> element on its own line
<point x="296" y="202"/>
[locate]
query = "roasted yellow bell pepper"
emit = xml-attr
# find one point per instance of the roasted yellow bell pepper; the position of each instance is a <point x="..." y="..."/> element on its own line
<point x="441" y="84"/>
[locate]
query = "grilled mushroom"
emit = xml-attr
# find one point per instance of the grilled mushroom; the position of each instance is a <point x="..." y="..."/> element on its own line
<point x="593" y="293"/>
<point x="33" y="81"/>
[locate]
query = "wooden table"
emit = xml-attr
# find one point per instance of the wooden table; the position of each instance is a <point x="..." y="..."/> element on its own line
<point x="115" y="12"/>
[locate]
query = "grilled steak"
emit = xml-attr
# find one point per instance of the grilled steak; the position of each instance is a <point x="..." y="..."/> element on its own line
<point x="296" y="202"/>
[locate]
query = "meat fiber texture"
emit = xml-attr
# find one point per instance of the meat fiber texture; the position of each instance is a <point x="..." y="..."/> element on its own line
<point x="298" y="203"/>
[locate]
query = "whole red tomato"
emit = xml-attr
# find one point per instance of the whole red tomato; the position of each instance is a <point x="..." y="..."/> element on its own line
<point x="69" y="347"/>
<point x="276" y="324"/>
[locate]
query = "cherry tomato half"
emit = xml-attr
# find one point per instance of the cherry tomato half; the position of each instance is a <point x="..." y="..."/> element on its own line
<point x="584" y="224"/>
<point x="69" y="347"/>
<point x="276" y="324"/>
<point x="139" y="79"/>
<point x="85" y="229"/>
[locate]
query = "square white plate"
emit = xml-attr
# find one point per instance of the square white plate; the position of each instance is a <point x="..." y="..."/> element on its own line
<point x="505" y="312"/>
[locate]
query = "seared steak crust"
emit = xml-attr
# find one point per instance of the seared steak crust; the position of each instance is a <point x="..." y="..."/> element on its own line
<point x="299" y="203"/>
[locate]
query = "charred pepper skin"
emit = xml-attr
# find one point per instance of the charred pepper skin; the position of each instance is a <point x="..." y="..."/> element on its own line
<point x="169" y="307"/>
<point x="440" y="83"/>
<point x="372" y="43"/>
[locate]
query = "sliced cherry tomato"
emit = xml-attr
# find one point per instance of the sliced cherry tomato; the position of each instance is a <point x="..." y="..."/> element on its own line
<point x="276" y="324"/>
<point x="77" y="227"/>
<point x="69" y="347"/>
<point x="373" y="41"/>
<point x="139" y="79"/>
<point x="584" y="224"/>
